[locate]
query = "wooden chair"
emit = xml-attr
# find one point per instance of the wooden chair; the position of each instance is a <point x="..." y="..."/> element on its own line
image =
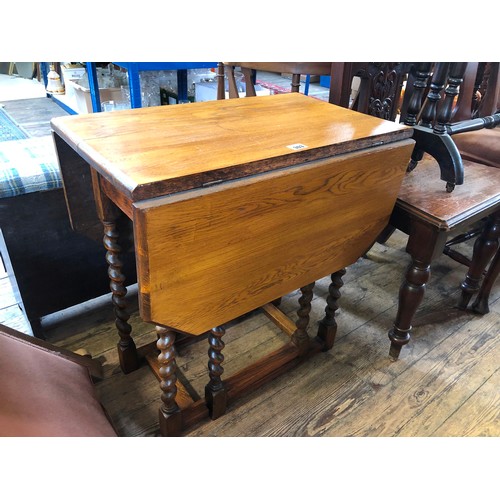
<point x="248" y="69"/>
<point x="47" y="391"/>
<point x="481" y="146"/>
<point x="380" y="87"/>
<point x="429" y="211"/>
<point x="481" y="98"/>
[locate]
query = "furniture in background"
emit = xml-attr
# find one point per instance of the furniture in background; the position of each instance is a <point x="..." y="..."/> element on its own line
<point x="481" y="99"/>
<point x="233" y="205"/>
<point x="481" y="146"/>
<point x="52" y="266"/>
<point x="134" y="70"/>
<point x="249" y="69"/>
<point x="379" y="90"/>
<point x="48" y="391"/>
<point x="430" y="211"/>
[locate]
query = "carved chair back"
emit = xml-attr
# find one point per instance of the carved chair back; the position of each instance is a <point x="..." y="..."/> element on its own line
<point x="430" y="104"/>
<point x="443" y="94"/>
<point x="379" y="91"/>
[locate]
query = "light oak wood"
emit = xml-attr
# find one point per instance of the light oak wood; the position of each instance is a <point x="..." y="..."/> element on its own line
<point x="233" y="206"/>
<point x="279" y="318"/>
<point x="232" y="248"/>
<point x="160" y="150"/>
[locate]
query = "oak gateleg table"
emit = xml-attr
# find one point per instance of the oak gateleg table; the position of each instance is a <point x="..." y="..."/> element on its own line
<point x="234" y="204"/>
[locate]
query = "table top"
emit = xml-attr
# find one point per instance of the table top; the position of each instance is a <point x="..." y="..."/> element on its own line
<point x="150" y="152"/>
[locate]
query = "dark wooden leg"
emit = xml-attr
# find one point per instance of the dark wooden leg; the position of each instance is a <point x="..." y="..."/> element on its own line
<point x="170" y="413"/>
<point x="481" y="305"/>
<point x="127" y="351"/>
<point x="386" y="233"/>
<point x="411" y="294"/>
<point x="295" y="83"/>
<point x="300" y="337"/>
<point x="425" y="243"/>
<point x="328" y="326"/>
<point x="215" y="392"/>
<point x="485" y="247"/>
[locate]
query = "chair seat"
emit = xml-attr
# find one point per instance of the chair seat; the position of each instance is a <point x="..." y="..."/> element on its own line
<point x="45" y="394"/>
<point x="482" y="146"/>
<point x="28" y="166"/>
<point x="423" y="195"/>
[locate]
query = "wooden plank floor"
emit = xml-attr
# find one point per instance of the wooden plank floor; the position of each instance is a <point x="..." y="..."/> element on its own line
<point x="444" y="384"/>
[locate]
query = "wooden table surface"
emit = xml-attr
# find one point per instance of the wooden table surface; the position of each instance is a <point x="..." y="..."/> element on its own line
<point x="154" y="151"/>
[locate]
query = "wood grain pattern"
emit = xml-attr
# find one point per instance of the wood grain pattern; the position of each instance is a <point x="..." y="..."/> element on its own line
<point x="229" y="249"/>
<point x="422" y="194"/>
<point x="154" y="151"/>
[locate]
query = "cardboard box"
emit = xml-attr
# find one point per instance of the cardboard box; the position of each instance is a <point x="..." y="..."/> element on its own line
<point x="82" y="99"/>
<point x="72" y="72"/>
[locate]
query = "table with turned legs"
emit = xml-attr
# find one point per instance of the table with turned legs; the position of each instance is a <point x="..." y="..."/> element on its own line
<point x="233" y="205"/>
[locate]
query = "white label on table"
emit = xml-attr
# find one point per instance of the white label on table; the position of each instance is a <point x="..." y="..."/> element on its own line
<point x="297" y="146"/>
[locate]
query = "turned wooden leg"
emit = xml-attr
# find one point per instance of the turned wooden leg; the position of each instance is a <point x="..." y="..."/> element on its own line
<point x="481" y="305"/>
<point x="300" y="337"/>
<point x="170" y="413"/>
<point x="485" y="247"/>
<point x="411" y="294"/>
<point x="328" y="326"/>
<point x="295" y="86"/>
<point x="127" y="351"/>
<point x="215" y="392"/>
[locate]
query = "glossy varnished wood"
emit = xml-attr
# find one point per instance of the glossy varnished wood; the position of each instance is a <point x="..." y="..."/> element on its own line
<point x="235" y="247"/>
<point x="149" y="152"/>
<point x="423" y="196"/>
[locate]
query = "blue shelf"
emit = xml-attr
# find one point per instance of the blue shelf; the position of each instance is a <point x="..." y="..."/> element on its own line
<point x="63" y="105"/>
<point x="134" y="68"/>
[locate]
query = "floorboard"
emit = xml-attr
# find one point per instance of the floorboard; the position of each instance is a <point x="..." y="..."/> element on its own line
<point x="444" y="383"/>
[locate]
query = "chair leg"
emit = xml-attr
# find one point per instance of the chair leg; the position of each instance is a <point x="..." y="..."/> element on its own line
<point x="411" y="294"/>
<point x="481" y="305"/>
<point x="485" y="247"/>
<point x="295" y="83"/>
<point x="386" y="233"/>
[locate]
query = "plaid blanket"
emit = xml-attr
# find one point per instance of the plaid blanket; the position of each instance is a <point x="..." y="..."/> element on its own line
<point x="27" y="166"/>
